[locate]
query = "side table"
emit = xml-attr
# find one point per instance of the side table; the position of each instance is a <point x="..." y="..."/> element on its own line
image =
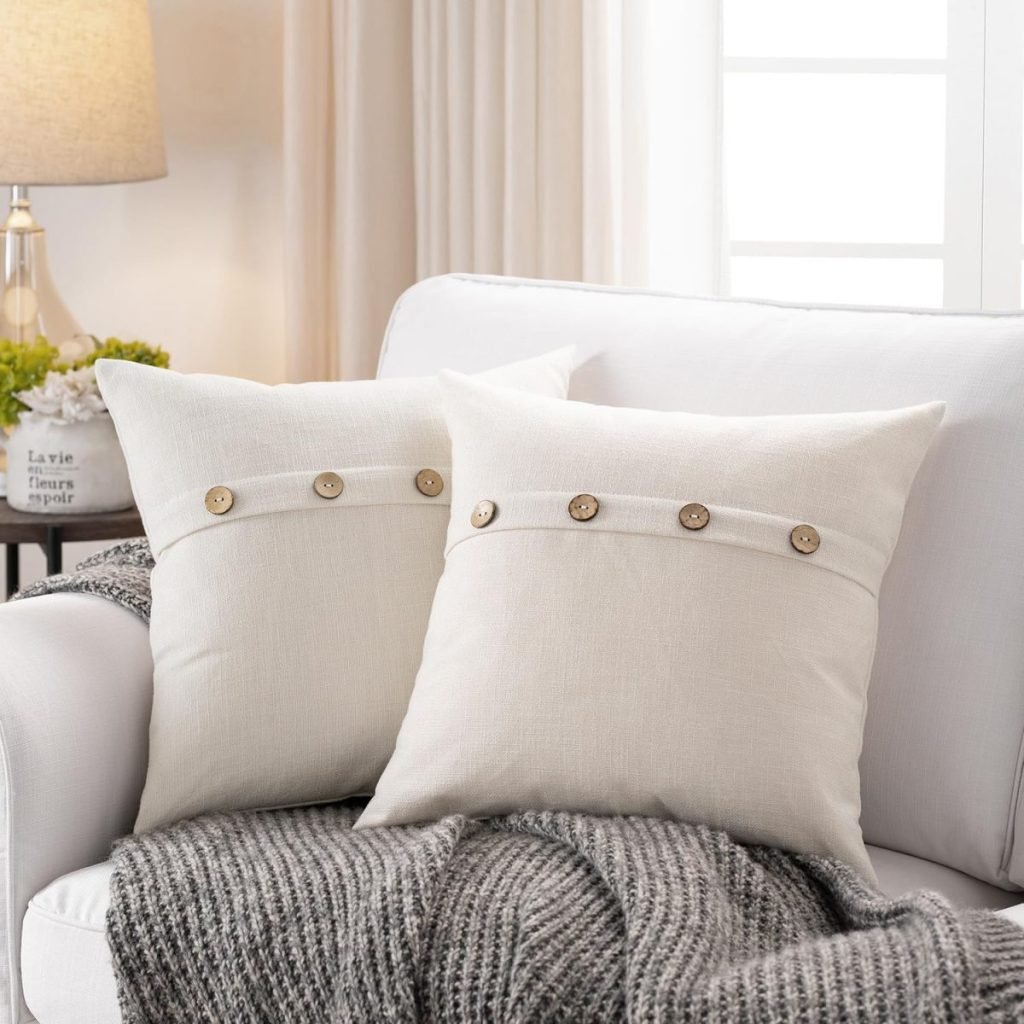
<point x="51" y="532"/>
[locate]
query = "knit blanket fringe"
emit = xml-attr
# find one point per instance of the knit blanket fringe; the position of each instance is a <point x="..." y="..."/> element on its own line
<point x="266" y="917"/>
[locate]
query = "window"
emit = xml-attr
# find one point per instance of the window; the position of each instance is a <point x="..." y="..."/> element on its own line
<point x="872" y="151"/>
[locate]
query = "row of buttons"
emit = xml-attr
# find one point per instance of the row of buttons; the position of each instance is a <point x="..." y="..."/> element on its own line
<point x="219" y="499"/>
<point x="692" y="516"/>
<point x="583" y="507"/>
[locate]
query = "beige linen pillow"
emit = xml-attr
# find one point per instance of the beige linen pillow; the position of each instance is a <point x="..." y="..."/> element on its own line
<point x="656" y="613"/>
<point x="297" y="547"/>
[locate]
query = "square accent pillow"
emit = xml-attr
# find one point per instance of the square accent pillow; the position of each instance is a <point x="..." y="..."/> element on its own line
<point x="656" y="613"/>
<point x="298" y="533"/>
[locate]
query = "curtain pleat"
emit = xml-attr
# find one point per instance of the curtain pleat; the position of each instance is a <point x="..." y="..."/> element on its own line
<point x="519" y="111"/>
<point x="375" y="206"/>
<point x="634" y="145"/>
<point x="560" y="102"/>
<point x="348" y="181"/>
<point x="488" y="138"/>
<point x="308" y="138"/>
<point x="601" y="131"/>
<point x="459" y="142"/>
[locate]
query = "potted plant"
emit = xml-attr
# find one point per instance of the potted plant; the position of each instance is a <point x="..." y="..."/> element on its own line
<point x="63" y="455"/>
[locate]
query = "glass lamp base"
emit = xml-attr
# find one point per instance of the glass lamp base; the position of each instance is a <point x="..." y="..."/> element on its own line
<point x="29" y="305"/>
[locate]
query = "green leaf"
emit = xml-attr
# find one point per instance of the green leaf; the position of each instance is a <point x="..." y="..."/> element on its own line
<point x="23" y="365"/>
<point x="132" y="351"/>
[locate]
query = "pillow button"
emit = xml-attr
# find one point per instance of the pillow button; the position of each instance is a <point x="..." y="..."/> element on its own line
<point x="328" y="485"/>
<point x="583" y="507"/>
<point x="805" y="539"/>
<point x="429" y="482"/>
<point x="483" y="512"/>
<point x="218" y="500"/>
<point x="694" y="516"/>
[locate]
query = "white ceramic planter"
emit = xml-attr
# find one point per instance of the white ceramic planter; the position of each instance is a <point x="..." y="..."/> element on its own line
<point x="5" y="432"/>
<point x="66" y="468"/>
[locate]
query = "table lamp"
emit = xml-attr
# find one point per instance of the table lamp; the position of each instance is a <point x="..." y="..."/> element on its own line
<point x="78" y="106"/>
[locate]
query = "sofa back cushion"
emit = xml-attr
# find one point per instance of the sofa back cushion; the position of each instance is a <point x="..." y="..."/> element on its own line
<point x="941" y="763"/>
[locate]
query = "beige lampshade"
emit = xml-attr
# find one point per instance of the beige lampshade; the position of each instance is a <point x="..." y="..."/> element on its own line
<point x="78" y="93"/>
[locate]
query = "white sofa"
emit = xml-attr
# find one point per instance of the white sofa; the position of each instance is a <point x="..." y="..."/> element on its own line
<point x="942" y="759"/>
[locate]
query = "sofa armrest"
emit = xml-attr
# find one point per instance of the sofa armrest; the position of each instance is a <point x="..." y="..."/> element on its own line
<point x="76" y="681"/>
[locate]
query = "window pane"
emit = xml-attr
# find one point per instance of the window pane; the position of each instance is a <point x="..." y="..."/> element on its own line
<point x="847" y="280"/>
<point x="835" y="157"/>
<point x="835" y="28"/>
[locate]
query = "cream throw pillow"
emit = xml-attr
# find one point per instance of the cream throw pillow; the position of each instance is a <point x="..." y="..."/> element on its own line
<point x="626" y="656"/>
<point x="289" y="605"/>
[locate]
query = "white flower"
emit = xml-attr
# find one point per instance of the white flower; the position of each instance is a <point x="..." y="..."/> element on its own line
<point x="68" y="397"/>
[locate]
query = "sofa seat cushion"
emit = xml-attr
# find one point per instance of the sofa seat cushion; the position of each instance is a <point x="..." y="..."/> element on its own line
<point x="900" y="873"/>
<point x="68" y="976"/>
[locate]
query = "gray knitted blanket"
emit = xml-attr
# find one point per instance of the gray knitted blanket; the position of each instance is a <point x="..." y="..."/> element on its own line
<point x="119" y="573"/>
<point x="537" y="917"/>
<point x="290" y="916"/>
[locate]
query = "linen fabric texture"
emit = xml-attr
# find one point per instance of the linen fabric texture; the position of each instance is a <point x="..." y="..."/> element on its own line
<point x="627" y="665"/>
<point x="286" y="632"/>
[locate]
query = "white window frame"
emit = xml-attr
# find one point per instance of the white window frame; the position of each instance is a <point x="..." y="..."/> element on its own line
<point x="1001" y="175"/>
<point x="982" y="248"/>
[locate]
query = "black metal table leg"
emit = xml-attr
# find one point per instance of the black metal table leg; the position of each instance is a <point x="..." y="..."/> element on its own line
<point x="13" y="572"/>
<point x="54" y="553"/>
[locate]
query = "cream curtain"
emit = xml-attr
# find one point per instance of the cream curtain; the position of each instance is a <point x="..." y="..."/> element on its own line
<point x="350" y="217"/>
<point x="524" y="115"/>
<point x="427" y="136"/>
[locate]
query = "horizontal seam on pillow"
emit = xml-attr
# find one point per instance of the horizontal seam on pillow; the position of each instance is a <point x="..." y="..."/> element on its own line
<point x="585" y="528"/>
<point x="163" y="537"/>
<point x="159" y="549"/>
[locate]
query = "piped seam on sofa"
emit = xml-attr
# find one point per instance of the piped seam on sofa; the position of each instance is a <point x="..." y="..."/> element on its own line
<point x="66" y="920"/>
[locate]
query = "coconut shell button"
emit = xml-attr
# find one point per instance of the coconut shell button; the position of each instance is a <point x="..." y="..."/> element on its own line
<point x="218" y="500"/>
<point x="429" y="482"/>
<point x="328" y="485"/>
<point x="583" y="507"/>
<point x="483" y="512"/>
<point x="694" y="516"/>
<point x="805" y="539"/>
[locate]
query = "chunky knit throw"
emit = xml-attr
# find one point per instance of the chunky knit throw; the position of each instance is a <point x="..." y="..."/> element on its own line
<point x="119" y="573"/>
<point x="290" y="915"/>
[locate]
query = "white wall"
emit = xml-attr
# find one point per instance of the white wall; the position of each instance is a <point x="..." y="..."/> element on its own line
<point x="193" y="262"/>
